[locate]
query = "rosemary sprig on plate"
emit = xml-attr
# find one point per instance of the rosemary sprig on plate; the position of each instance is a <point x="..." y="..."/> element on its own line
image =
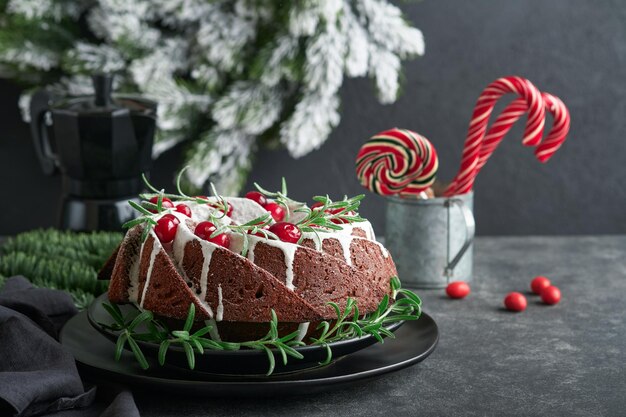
<point x="192" y="343"/>
<point x="348" y="325"/>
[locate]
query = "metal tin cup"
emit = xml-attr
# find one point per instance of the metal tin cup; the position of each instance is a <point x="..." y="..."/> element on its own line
<point x="431" y="240"/>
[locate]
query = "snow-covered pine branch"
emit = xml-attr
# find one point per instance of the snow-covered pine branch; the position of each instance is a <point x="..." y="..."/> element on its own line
<point x="224" y="72"/>
<point x="250" y="107"/>
<point x="87" y="58"/>
<point x="222" y="157"/>
<point x="46" y="9"/>
<point x="310" y="124"/>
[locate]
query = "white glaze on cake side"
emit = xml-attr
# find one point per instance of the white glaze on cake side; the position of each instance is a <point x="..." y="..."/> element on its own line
<point x="288" y="249"/>
<point x="245" y="209"/>
<point x="215" y="335"/>
<point x="302" y="329"/>
<point x="183" y="236"/>
<point x="220" y="304"/>
<point x="345" y="237"/>
<point x="207" y="254"/>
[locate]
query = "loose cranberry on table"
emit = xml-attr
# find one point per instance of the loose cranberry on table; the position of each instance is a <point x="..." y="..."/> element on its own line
<point x="256" y="196"/>
<point x="287" y="232"/>
<point x="184" y="209"/>
<point x="458" y="289"/>
<point x="276" y="210"/>
<point x="538" y="284"/>
<point x="551" y="295"/>
<point x="204" y="230"/>
<point x="166" y="227"/>
<point x="515" y="301"/>
<point x="165" y="203"/>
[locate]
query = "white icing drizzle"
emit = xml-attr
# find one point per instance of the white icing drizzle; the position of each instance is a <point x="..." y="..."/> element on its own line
<point x="215" y="335"/>
<point x="289" y="251"/>
<point x="345" y="241"/>
<point x="184" y="236"/>
<point x="383" y="249"/>
<point x="207" y="253"/>
<point x="156" y="247"/>
<point x="245" y="209"/>
<point x="200" y="212"/>
<point x="251" y="245"/>
<point x="365" y="226"/>
<point x="345" y="238"/>
<point x="295" y="216"/>
<point x="220" y="304"/>
<point x="302" y="329"/>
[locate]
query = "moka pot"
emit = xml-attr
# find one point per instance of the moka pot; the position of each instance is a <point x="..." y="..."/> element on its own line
<point x="101" y="145"/>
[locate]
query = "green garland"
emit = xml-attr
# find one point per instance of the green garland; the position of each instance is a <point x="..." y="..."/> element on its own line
<point x="61" y="260"/>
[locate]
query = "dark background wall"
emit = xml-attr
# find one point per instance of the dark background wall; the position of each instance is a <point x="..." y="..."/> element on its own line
<point x="575" y="49"/>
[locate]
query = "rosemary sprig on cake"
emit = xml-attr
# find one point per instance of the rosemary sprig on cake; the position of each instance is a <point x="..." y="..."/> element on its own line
<point x="327" y="214"/>
<point x="401" y="306"/>
<point x="280" y="198"/>
<point x="160" y="211"/>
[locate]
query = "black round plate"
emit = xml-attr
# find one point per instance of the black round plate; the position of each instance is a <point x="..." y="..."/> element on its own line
<point x="413" y="343"/>
<point x="238" y="362"/>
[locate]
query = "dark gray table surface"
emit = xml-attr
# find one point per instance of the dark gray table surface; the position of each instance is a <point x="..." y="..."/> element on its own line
<point x="568" y="359"/>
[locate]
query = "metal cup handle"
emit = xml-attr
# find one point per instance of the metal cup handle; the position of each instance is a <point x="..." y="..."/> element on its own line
<point x="470" y="230"/>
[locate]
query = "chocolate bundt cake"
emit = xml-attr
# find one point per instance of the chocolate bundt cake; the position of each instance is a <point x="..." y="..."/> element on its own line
<point x="237" y="259"/>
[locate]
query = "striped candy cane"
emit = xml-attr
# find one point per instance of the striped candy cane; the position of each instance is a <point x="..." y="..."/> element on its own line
<point x="464" y="179"/>
<point x="509" y="116"/>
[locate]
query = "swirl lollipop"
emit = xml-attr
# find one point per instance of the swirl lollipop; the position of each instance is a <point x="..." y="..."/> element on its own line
<point x="397" y="161"/>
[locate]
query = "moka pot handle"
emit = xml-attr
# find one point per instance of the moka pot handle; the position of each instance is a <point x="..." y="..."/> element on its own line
<point x="39" y="107"/>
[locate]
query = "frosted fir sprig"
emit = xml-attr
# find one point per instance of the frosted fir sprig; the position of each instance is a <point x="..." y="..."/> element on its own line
<point x="219" y="152"/>
<point x="87" y="58"/>
<point x="248" y="106"/>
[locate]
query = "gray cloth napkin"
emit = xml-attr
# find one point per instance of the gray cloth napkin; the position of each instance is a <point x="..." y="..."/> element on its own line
<point x="37" y="377"/>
